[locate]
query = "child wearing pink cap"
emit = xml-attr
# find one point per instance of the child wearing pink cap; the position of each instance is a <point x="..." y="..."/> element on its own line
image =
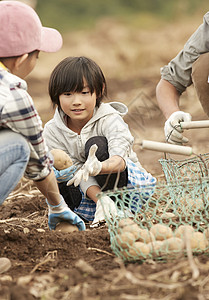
<point x="22" y="147"/>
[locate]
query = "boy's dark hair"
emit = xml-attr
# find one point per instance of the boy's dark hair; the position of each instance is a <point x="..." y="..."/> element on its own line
<point x="69" y="75"/>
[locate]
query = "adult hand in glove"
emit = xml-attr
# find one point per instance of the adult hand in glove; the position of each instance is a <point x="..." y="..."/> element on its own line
<point x="109" y="209"/>
<point x="62" y="212"/>
<point x="173" y="130"/>
<point x="92" y="167"/>
<point x="65" y="174"/>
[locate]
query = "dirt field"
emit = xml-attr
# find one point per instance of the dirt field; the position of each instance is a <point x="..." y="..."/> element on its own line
<point x="48" y="265"/>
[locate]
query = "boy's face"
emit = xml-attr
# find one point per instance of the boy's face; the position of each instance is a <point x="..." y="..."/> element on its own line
<point x="26" y="67"/>
<point x="79" y="107"/>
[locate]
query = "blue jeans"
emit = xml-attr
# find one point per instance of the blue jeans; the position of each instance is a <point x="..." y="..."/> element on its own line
<point x="14" y="156"/>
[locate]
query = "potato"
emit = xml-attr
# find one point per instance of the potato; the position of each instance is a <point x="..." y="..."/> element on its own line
<point x="192" y="204"/>
<point x="141" y="235"/>
<point x="139" y="250"/>
<point x="161" y="232"/>
<point x="145" y="236"/>
<point x="5" y="264"/>
<point x="156" y="247"/>
<point x="66" y="227"/>
<point x="206" y="233"/>
<point x="125" y="254"/>
<point x="168" y="215"/>
<point x="61" y="159"/>
<point x="128" y="225"/>
<point x="133" y="228"/>
<point x="198" y="241"/>
<point x="182" y="229"/>
<point x="125" y="222"/>
<point x="125" y="239"/>
<point x="172" y="244"/>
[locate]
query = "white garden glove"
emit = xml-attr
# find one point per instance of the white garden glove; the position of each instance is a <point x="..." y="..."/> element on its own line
<point x="105" y="206"/>
<point x="173" y="130"/>
<point x="92" y="167"/>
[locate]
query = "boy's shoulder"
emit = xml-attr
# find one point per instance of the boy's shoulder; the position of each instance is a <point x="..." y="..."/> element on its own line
<point x="10" y="80"/>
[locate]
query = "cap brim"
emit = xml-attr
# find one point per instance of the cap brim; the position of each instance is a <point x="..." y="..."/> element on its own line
<point x="51" y="40"/>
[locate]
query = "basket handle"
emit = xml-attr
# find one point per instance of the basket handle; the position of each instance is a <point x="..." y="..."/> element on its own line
<point x="165" y="147"/>
<point x="195" y="124"/>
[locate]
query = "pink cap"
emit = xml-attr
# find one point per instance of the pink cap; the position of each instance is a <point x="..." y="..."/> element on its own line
<point x="22" y="32"/>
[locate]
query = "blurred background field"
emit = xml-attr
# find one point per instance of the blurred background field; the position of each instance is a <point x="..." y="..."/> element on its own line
<point x="70" y="14"/>
<point x="131" y="41"/>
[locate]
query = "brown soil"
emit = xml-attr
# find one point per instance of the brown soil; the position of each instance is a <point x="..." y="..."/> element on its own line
<point x="81" y="265"/>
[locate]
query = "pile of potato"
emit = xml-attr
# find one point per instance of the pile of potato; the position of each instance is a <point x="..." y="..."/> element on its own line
<point x="137" y="243"/>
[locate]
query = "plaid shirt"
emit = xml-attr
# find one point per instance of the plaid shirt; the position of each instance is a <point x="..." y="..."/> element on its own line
<point x="17" y="112"/>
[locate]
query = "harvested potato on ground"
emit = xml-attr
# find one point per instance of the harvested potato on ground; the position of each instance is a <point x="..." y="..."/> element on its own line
<point x="66" y="227"/>
<point x="5" y="264"/>
<point x="125" y="239"/>
<point x="182" y="230"/>
<point x="172" y="244"/>
<point x="198" y="241"/>
<point x="156" y="247"/>
<point x="61" y="159"/>
<point x="139" y="250"/>
<point x="161" y="232"/>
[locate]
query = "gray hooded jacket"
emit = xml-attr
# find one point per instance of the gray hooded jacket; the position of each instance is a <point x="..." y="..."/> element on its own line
<point x="107" y="121"/>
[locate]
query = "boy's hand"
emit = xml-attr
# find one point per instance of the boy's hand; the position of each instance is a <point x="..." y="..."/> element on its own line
<point x="62" y="212"/>
<point x="92" y="167"/>
<point x="65" y="174"/>
<point x="105" y="206"/>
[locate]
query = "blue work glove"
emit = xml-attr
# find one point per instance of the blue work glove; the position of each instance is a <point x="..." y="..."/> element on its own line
<point x="65" y="174"/>
<point x="62" y="212"/>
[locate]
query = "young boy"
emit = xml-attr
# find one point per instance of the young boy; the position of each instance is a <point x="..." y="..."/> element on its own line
<point x="95" y="136"/>
<point x="22" y="147"/>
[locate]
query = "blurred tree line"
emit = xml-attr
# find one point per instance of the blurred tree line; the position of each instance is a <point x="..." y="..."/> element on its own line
<point x="75" y="14"/>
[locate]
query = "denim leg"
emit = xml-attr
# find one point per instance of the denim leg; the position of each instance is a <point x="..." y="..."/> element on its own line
<point x="14" y="156"/>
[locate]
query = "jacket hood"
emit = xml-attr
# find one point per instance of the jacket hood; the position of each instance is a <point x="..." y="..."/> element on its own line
<point x="120" y="107"/>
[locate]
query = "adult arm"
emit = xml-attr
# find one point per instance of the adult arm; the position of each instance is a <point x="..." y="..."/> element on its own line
<point x="168" y="101"/>
<point x="178" y="70"/>
<point x="167" y="98"/>
<point x="176" y="77"/>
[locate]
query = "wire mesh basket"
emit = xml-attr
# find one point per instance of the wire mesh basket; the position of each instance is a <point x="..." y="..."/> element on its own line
<point x="188" y="169"/>
<point x="157" y="226"/>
